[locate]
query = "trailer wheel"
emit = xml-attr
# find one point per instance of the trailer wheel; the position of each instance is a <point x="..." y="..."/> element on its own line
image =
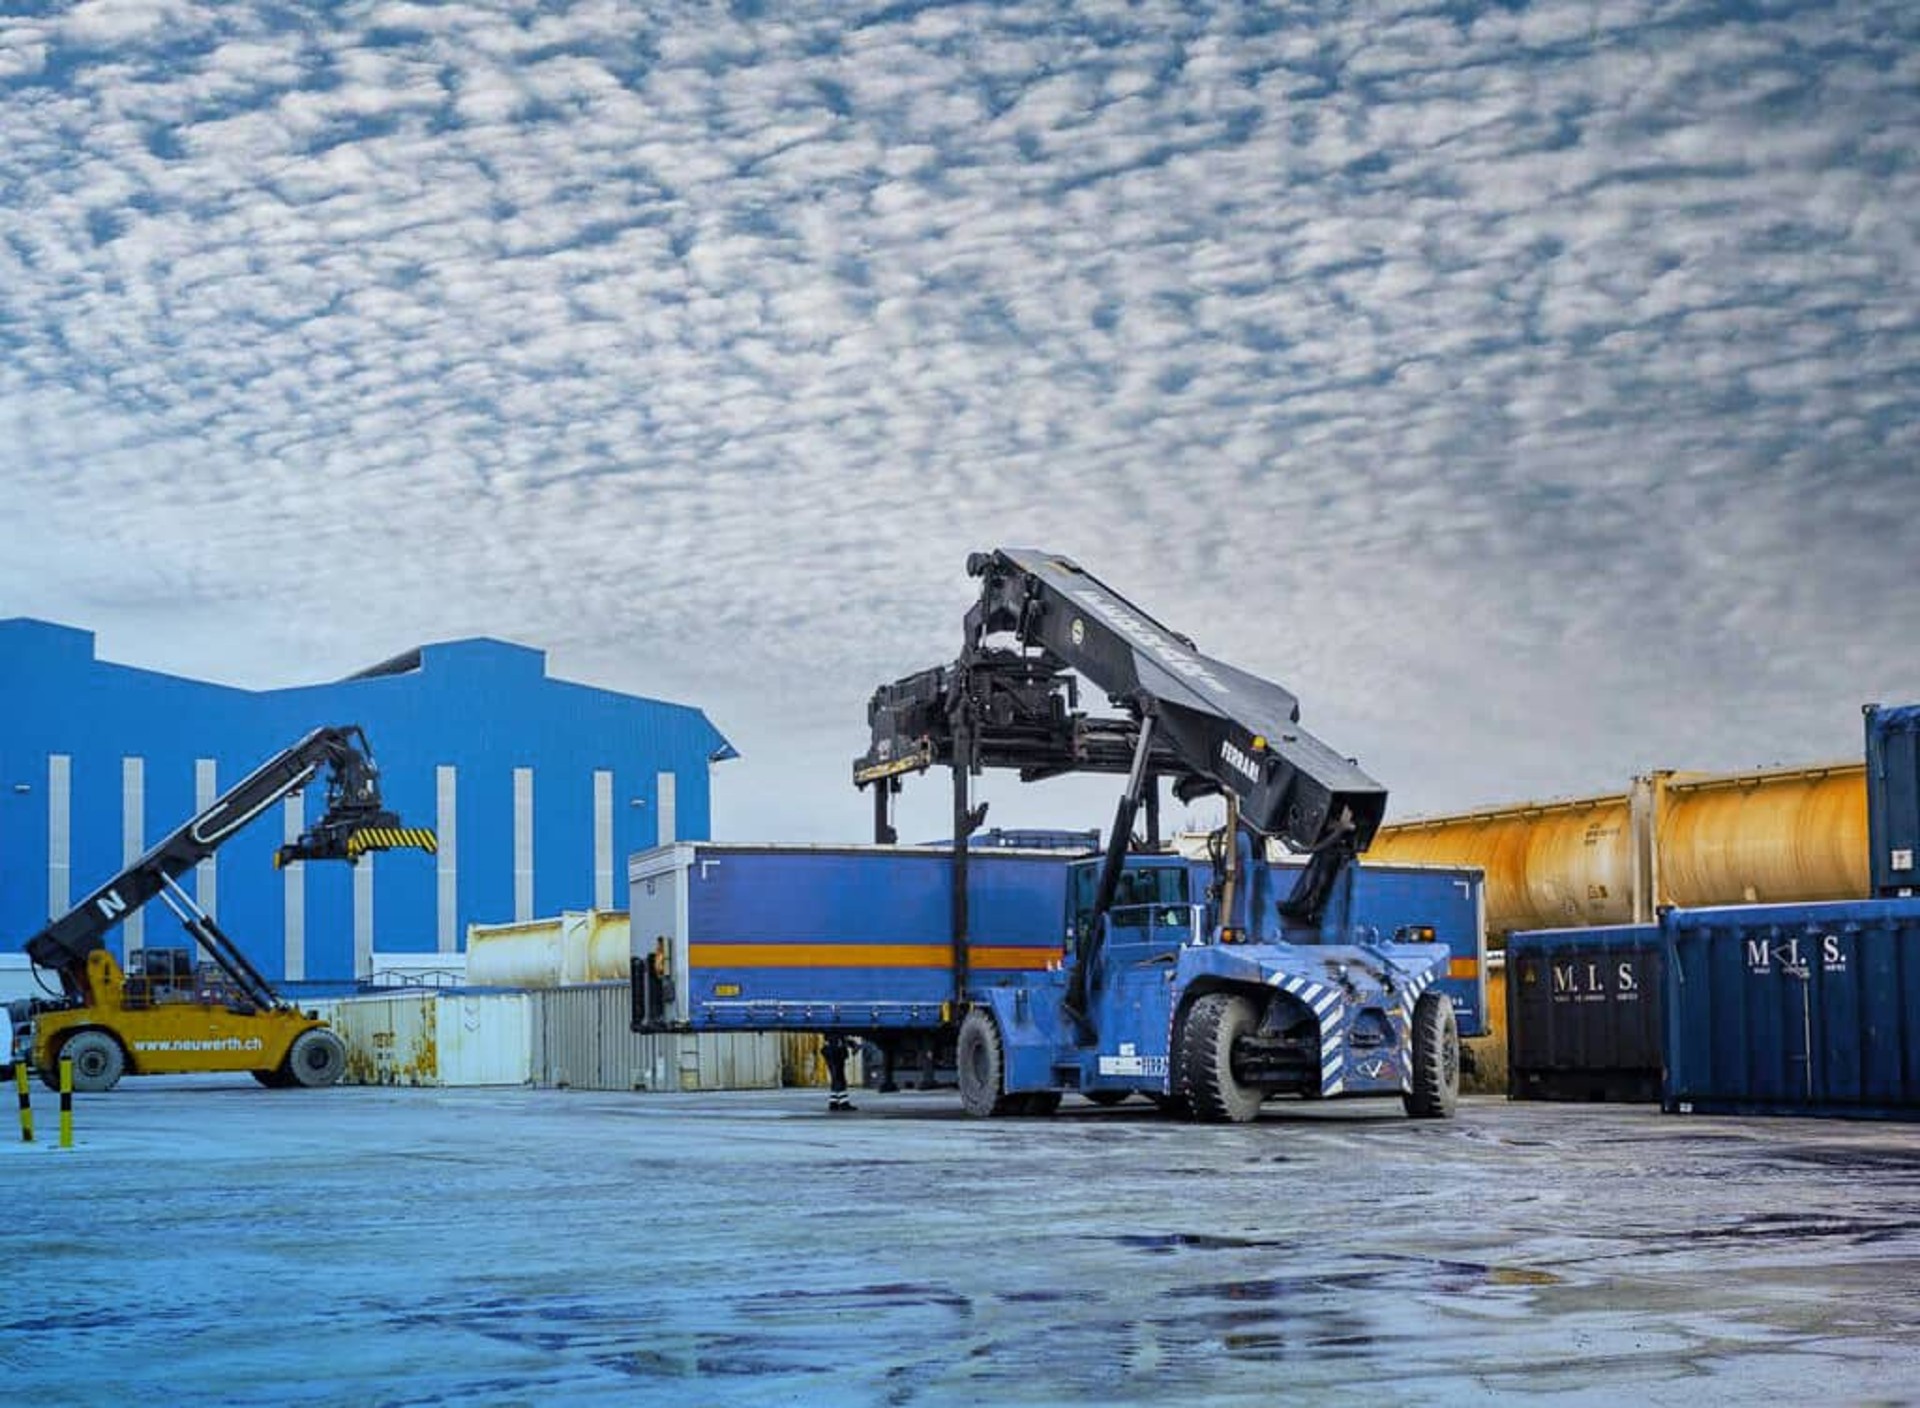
<point x="1206" y="1059"/>
<point x="1107" y="1098"/>
<point x="1436" y="1059"/>
<point x="983" y="1066"/>
<point x="98" y="1061"/>
<point x="317" y="1058"/>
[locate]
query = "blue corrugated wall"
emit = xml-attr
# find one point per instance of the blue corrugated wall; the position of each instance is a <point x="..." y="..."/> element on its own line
<point x="480" y="707"/>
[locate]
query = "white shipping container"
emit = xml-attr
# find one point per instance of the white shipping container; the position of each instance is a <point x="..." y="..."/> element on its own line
<point x="426" y="1038"/>
<point x="17" y="979"/>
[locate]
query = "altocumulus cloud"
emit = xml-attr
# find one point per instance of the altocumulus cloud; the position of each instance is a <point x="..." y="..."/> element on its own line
<point x="1530" y="387"/>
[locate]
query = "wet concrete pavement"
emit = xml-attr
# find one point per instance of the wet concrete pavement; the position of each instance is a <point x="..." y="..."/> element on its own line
<point x="211" y="1242"/>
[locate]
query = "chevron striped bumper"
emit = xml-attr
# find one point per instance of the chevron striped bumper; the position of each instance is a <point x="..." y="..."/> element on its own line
<point x="391" y="838"/>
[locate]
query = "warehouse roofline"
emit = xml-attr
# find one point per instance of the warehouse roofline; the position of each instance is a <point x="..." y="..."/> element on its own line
<point x="74" y="647"/>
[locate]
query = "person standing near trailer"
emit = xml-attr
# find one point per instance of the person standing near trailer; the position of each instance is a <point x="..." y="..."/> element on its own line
<point x="833" y="1051"/>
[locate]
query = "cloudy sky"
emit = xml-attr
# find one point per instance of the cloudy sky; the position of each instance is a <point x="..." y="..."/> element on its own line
<point x="1531" y="388"/>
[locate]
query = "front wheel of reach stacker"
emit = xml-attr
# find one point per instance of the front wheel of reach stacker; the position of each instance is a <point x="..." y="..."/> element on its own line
<point x="318" y="1058"/>
<point x="98" y="1061"/>
<point x="1205" y="1054"/>
<point x="983" y="1065"/>
<point x="1436" y="1059"/>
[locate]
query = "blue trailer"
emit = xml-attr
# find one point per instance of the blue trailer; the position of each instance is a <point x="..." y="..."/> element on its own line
<point x="856" y="940"/>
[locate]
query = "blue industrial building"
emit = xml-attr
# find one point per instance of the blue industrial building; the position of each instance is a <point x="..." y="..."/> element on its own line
<point x="539" y="789"/>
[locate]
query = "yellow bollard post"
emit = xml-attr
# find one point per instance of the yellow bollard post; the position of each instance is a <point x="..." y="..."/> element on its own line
<point x="26" y="1101"/>
<point x="66" y="1103"/>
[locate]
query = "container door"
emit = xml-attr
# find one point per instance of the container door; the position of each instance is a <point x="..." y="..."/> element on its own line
<point x="657" y="910"/>
<point x="1779" y="991"/>
<point x="1893" y="799"/>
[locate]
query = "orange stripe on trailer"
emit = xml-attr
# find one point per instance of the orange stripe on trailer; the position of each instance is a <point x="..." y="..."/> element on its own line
<point x="1463" y="968"/>
<point x="1001" y="956"/>
<point x="818" y="955"/>
<point x="722" y="955"/>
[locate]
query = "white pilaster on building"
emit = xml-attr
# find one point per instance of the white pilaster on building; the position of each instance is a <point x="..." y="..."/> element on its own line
<point x="59" y="834"/>
<point x="602" y="838"/>
<point x="293" y="880"/>
<point x="445" y="821"/>
<point x="206" y="875"/>
<point x="133" y="841"/>
<point x="363" y="917"/>
<point x="666" y="787"/>
<point x="522" y="844"/>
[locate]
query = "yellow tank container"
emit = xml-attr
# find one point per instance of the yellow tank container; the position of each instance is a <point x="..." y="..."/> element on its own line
<point x="1763" y="838"/>
<point x="1490" y="1051"/>
<point x="1784" y="835"/>
<point x="575" y="946"/>
<point x="1548" y="864"/>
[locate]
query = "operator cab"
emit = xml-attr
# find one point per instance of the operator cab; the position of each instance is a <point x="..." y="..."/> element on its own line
<point x="1152" y="907"/>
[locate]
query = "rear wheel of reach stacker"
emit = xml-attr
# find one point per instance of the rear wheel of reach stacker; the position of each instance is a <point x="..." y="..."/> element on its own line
<point x="1205" y="1054"/>
<point x="1436" y="1059"/>
<point x="983" y="1066"/>
<point x="317" y="1058"/>
<point x="98" y="1061"/>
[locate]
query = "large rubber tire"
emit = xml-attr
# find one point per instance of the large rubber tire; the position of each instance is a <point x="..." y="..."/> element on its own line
<point x="317" y="1058"/>
<point x="1436" y="1059"/>
<point x="1107" y="1098"/>
<point x="98" y="1061"/>
<point x="982" y="1062"/>
<point x="1206" y="1059"/>
<point x="1174" y="1105"/>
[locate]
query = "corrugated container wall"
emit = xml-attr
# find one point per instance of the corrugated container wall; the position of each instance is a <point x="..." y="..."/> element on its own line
<point x="1893" y="797"/>
<point x="537" y="786"/>
<point x="584" y="1039"/>
<point x="1583" y="1012"/>
<point x="1794" y="1010"/>
<point x="426" y="1038"/>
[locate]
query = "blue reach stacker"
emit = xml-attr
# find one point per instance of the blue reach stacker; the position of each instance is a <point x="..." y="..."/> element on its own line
<point x="1208" y="985"/>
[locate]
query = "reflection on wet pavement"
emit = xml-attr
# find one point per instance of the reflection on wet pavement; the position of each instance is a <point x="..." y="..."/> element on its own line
<point x="429" y="1247"/>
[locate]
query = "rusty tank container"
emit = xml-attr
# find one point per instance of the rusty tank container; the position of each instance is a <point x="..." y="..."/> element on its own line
<point x="1783" y="835"/>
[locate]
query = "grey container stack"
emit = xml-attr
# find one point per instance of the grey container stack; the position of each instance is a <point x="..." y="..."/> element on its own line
<point x="583" y="1038"/>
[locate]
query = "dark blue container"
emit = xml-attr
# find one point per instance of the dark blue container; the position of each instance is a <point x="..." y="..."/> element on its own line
<point x="1802" y="1009"/>
<point x="1583" y="1014"/>
<point x="1893" y="798"/>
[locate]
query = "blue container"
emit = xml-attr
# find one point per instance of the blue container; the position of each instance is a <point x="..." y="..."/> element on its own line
<point x="1893" y="798"/>
<point x="1804" y="1009"/>
<point x="1584" y="1014"/>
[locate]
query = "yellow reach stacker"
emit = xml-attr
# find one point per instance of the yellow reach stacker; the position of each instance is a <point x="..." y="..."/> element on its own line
<point x="165" y="1013"/>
